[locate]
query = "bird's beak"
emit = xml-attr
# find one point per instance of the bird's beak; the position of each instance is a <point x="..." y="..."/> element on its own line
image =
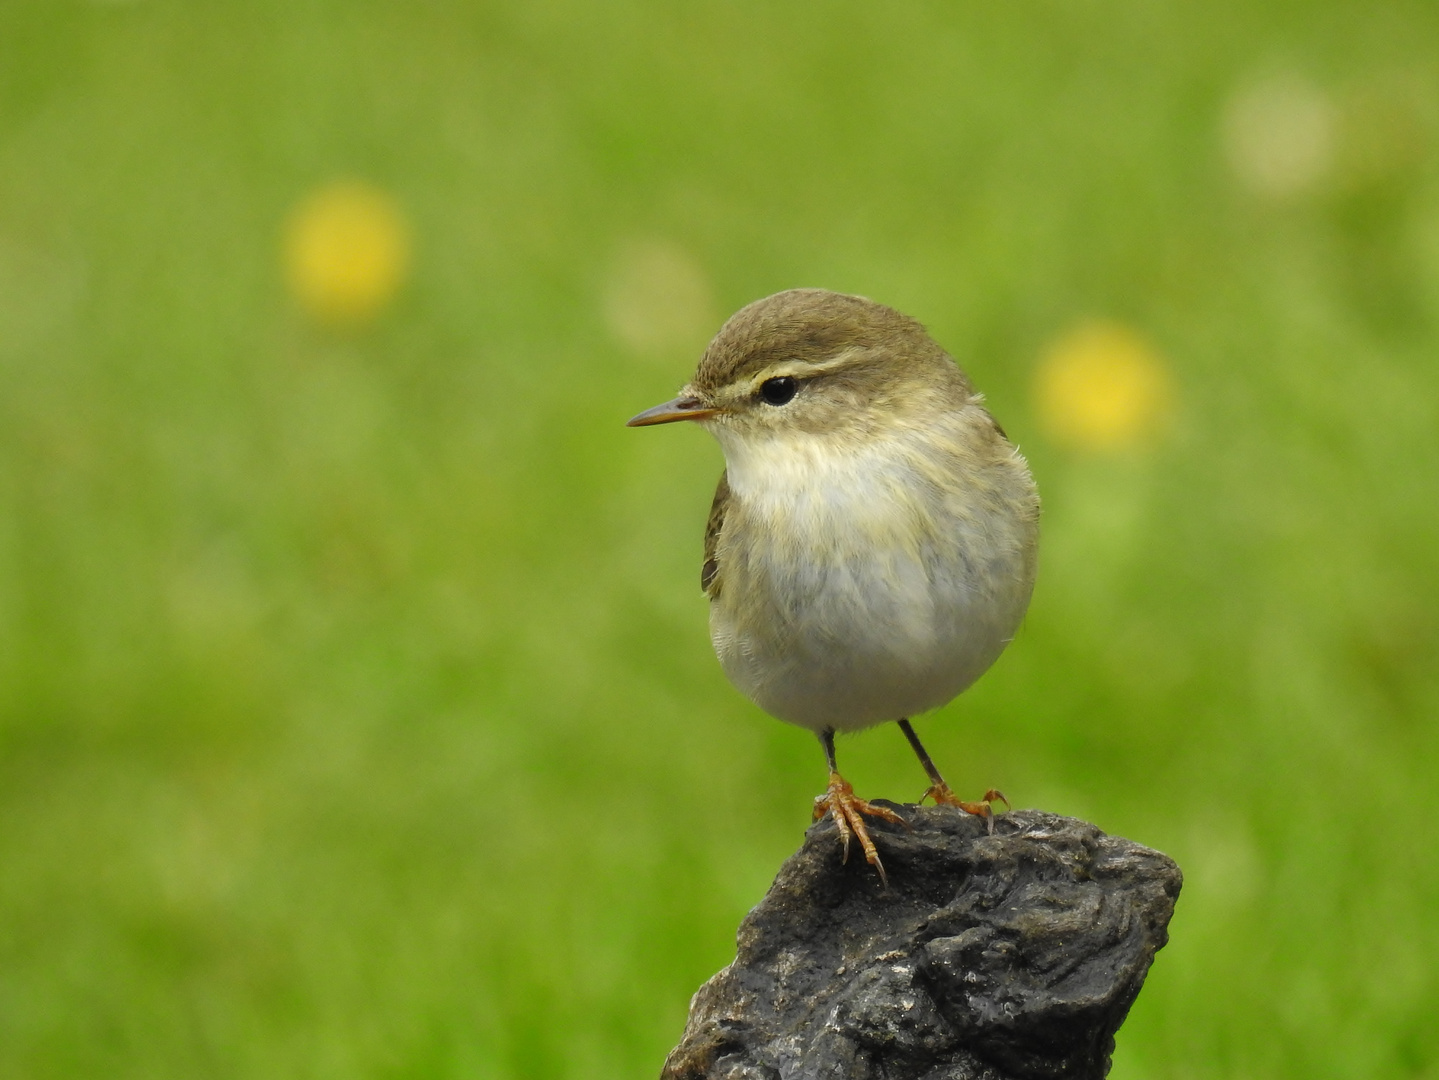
<point x="681" y="408"/>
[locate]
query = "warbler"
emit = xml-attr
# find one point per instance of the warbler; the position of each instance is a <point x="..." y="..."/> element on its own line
<point x="873" y="540"/>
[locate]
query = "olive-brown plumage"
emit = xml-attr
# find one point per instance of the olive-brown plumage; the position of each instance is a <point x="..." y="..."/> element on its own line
<point x="871" y="546"/>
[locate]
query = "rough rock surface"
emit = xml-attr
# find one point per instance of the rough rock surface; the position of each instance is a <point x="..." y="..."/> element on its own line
<point x="1015" y="955"/>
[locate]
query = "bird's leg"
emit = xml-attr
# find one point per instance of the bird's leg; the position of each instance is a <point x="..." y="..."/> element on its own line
<point x="939" y="790"/>
<point x="848" y="810"/>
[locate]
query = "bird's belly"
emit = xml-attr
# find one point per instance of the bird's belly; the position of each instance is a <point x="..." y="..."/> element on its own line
<point x="831" y="639"/>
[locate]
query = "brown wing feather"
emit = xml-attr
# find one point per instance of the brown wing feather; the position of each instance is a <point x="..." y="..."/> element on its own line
<point x="709" y="572"/>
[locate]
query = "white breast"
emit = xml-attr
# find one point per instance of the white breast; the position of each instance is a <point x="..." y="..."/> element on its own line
<point x="865" y="584"/>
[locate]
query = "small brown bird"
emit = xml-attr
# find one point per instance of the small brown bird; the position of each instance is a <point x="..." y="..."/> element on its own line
<point x="872" y="544"/>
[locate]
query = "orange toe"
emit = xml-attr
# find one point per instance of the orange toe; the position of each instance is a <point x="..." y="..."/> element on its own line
<point x="848" y="810"/>
<point x="941" y="794"/>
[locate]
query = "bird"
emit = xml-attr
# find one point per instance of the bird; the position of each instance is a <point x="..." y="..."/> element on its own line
<point x="873" y="540"/>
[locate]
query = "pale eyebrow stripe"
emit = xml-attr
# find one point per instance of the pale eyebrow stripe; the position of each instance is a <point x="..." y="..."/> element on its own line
<point x="797" y="370"/>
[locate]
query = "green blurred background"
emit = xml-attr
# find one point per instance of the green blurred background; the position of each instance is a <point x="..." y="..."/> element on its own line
<point x="357" y="712"/>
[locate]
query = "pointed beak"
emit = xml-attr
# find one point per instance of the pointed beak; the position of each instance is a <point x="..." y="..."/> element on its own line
<point x="681" y="408"/>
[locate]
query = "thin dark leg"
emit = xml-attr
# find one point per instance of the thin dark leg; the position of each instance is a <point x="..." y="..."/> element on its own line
<point x="939" y="790"/>
<point x="921" y="753"/>
<point x="826" y="738"/>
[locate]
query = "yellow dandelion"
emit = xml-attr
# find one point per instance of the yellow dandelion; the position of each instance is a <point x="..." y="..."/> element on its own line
<point x="1102" y="387"/>
<point x="347" y="251"/>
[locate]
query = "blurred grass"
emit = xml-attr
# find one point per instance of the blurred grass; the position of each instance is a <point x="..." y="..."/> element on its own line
<point x="357" y="716"/>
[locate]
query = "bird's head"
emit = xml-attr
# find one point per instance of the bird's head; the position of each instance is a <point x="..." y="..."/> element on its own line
<point x="810" y="362"/>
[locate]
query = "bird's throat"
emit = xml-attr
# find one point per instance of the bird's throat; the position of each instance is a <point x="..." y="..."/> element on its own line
<point x="879" y="492"/>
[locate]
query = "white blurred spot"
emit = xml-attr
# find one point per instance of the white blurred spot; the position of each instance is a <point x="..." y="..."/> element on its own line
<point x="657" y="300"/>
<point x="1279" y="136"/>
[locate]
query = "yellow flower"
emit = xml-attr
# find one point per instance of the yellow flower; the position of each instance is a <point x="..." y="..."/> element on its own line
<point x="347" y="251"/>
<point x="1102" y="387"/>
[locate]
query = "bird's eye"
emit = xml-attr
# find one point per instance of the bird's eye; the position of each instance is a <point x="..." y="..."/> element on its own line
<point x="778" y="391"/>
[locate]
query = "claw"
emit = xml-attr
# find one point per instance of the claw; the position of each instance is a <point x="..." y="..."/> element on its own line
<point x="941" y="794"/>
<point x="848" y="810"/>
<point x="995" y="793"/>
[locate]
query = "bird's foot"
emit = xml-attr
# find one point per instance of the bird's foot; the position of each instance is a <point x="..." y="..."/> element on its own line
<point x="941" y="794"/>
<point x="848" y="810"/>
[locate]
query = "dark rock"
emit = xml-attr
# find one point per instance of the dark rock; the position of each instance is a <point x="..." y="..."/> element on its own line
<point x="1015" y="955"/>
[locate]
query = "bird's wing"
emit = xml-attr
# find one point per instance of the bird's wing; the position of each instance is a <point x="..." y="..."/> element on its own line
<point x="709" y="572"/>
